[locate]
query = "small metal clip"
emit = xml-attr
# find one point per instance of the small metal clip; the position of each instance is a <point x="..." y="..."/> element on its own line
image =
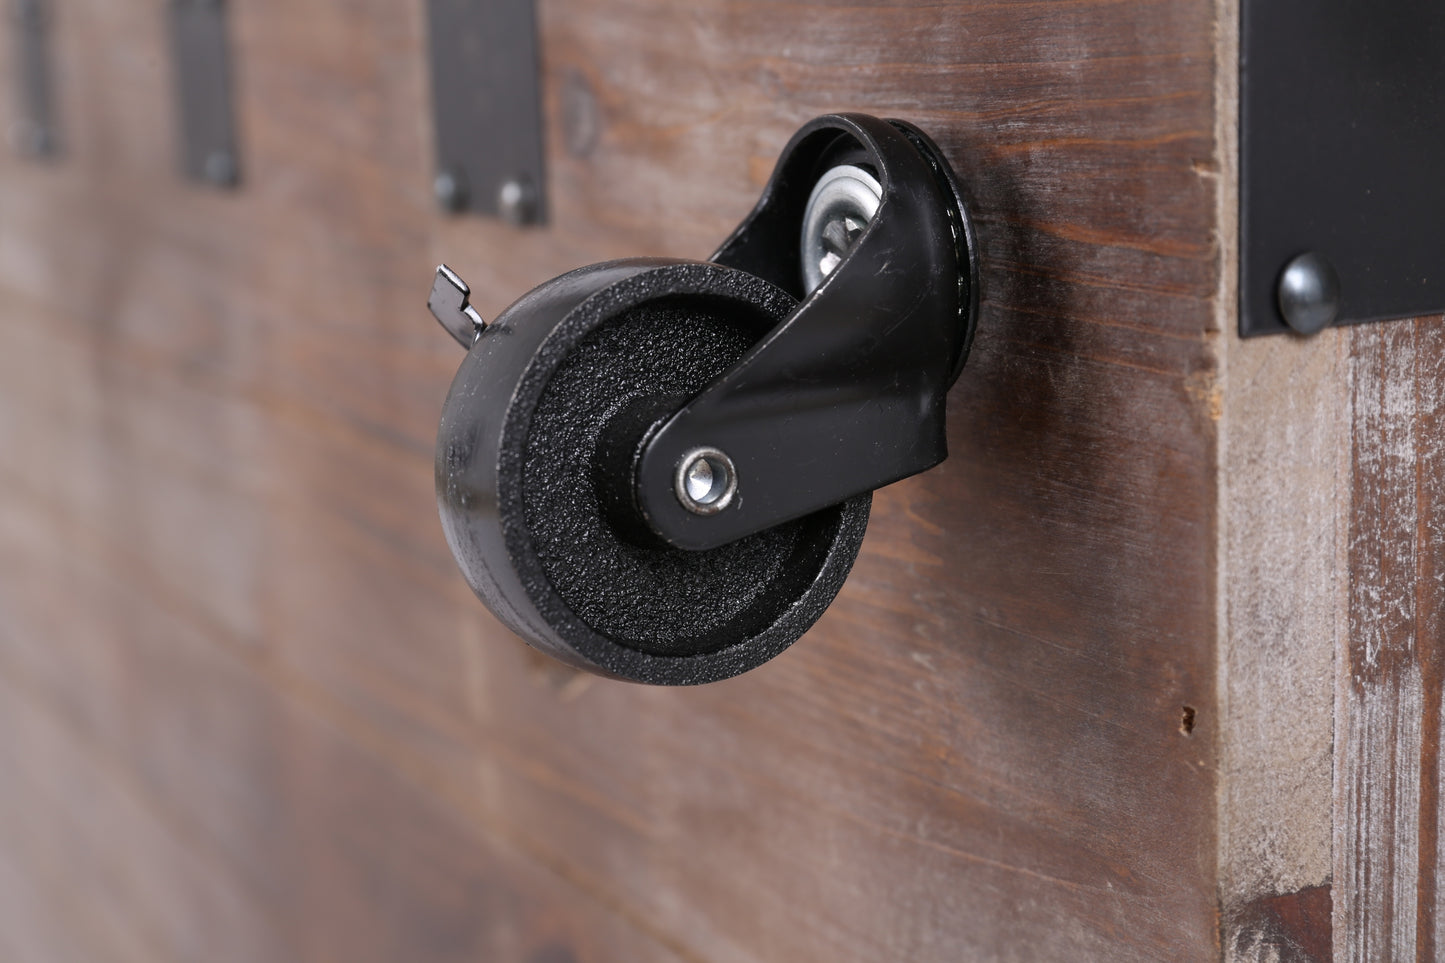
<point x="448" y="304"/>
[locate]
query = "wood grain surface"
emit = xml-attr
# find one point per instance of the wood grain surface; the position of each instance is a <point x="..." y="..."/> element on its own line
<point x="1332" y="659"/>
<point x="248" y="709"/>
<point x="1387" y="856"/>
<point x="1285" y="476"/>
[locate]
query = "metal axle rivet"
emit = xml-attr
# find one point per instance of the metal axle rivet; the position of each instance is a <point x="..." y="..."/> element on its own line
<point x="706" y="481"/>
<point x="1309" y="293"/>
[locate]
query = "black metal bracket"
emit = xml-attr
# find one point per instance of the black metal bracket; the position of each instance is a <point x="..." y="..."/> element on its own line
<point x="1342" y="131"/>
<point x="203" y="88"/>
<point x="34" y="132"/>
<point x="847" y="394"/>
<point x="487" y="108"/>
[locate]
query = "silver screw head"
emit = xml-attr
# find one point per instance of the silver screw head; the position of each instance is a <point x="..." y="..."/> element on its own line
<point x="1309" y="293"/>
<point x="30" y="138"/>
<point x="842" y="205"/>
<point x="42" y="144"/>
<point x="517" y="201"/>
<point x="449" y="190"/>
<point x="221" y="169"/>
<point x="706" y="481"/>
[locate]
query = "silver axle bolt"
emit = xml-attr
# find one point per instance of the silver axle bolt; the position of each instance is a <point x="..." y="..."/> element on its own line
<point x="706" y="481"/>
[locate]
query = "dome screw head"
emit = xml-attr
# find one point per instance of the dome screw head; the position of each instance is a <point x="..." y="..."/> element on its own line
<point x="517" y="201"/>
<point x="221" y="169"/>
<point x="1309" y="293"/>
<point x="449" y="190"/>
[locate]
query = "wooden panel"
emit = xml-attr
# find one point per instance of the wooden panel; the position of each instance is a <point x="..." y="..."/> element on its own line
<point x="1285" y="470"/>
<point x="223" y="820"/>
<point x="1388" y="768"/>
<point x="229" y="621"/>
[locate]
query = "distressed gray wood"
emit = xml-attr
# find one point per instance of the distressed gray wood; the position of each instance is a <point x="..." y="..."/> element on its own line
<point x="1388" y="764"/>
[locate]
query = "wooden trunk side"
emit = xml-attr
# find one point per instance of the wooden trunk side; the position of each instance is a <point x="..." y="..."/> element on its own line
<point x="242" y="685"/>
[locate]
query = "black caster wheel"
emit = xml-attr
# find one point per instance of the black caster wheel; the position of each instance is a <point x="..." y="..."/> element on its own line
<point x="598" y="354"/>
<point x="661" y="470"/>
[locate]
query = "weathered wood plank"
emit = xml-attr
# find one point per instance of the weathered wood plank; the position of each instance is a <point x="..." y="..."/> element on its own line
<point x="261" y="797"/>
<point x="132" y="888"/>
<point x="1285" y="432"/>
<point x="1388" y="765"/>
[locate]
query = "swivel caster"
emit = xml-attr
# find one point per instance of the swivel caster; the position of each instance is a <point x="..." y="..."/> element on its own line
<point x="661" y="470"/>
